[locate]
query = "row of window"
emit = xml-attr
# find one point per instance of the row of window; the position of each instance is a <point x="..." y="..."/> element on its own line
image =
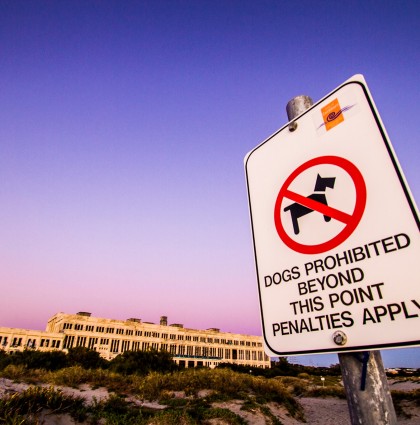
<point x="100" y="329"/>
<point x="46" y="343"/>
<point x="118" y="345"/>
<point x="31" y="342"/>
<point x="151" y="334"/>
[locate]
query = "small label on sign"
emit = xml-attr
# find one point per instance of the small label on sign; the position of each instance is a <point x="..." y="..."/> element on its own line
<point x="332" y="114"/>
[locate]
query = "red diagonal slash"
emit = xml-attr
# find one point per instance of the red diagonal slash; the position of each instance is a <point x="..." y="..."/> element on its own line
<point x="318" y="206"/>
<point x="350" y="220"/>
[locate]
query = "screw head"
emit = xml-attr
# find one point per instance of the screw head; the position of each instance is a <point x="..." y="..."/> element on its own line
<point x="340" y="338"/>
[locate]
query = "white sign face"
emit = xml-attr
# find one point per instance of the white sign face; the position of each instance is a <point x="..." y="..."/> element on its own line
<point x="336" y="232"/>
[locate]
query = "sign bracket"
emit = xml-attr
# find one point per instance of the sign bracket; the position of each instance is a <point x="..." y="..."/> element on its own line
<point x="364" y="359"/>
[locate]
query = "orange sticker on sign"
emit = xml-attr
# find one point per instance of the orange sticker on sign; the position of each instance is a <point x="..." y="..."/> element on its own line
<point x="332" y="114"/>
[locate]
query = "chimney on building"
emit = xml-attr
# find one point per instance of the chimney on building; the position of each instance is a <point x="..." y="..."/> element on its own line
<point x="163" y="320"/>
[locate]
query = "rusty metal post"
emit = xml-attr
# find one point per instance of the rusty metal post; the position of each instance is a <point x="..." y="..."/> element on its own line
<point x="298" y="105"/>
<point x="373" y="405"/>
<point x="364" y="378"/>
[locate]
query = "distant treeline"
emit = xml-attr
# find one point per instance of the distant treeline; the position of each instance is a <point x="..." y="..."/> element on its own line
<point x="128" y="363"/>
<point x="143" y="362"/>
<point x="282" y="367"/>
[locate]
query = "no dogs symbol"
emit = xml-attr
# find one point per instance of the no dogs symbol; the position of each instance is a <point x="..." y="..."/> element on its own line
<point x="312" y="223"/>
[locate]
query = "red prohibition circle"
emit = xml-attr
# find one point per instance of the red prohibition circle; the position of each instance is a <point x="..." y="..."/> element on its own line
<point x="350" y="220"/>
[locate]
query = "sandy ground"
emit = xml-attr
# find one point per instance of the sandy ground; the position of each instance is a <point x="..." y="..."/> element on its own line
<point x="318" y="411"/>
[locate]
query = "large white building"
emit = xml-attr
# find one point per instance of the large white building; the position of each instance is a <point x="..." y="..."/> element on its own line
<point x="189" y="347"/>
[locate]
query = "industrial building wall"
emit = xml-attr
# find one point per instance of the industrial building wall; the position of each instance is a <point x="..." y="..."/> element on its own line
<point x="189" y="347"/>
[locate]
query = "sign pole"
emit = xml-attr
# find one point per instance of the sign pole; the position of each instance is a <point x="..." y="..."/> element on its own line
<point x="364" y="378"/>
<point x="373" y="404"/>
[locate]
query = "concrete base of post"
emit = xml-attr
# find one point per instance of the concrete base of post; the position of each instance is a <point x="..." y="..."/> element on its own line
<point x="373" y="405"/>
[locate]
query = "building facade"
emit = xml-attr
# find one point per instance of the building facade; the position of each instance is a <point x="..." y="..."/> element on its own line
<point x="188" y="347"/>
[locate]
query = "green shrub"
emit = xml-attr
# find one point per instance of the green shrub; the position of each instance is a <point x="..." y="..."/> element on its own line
<point x="75" y="376"/>
<point x="223" y="383"/>
<point x="172" y="417"/>
<point x="14" y="372"/>
<point x="4" y="359"/>
<point x="226" y="415"/>
<point x="398" y="397"/>
<point x="48" y="360"/>
<point x="143" y="362"/>
<point x="331" y="391"/>
<point x="86" y="358"/>
<point x="53" y="360"/>
<point x="71" y="376"/>
<point x="195" y="408"/>
<point x="34" y="399"/>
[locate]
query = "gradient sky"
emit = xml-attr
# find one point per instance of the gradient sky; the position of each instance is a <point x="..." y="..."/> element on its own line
<point x="123" y="128"/>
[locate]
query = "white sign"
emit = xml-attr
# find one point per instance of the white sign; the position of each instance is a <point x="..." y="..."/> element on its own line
<point x="336" y="232"/>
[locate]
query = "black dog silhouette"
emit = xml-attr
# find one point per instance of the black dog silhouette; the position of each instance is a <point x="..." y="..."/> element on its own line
<point x="298" y="210"/>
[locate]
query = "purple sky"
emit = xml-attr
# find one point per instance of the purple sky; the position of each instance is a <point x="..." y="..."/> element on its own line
<point x="123" y="128"/>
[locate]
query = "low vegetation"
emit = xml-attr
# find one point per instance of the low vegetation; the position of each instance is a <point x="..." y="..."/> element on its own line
<point x="148" y="388"/>
<point x="163" y="388"/>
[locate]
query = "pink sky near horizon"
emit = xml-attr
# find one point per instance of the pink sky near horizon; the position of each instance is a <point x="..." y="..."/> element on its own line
<point x="123" y="132"/>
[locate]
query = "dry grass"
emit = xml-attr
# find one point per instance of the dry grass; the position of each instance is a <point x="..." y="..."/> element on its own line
<point x="201" y="387"/>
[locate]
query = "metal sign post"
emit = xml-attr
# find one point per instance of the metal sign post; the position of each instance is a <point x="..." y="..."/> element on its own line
<point x="364" y="378"/>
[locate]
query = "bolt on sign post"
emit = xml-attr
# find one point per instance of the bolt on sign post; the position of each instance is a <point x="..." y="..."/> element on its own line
<point x="336" y="234"/>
